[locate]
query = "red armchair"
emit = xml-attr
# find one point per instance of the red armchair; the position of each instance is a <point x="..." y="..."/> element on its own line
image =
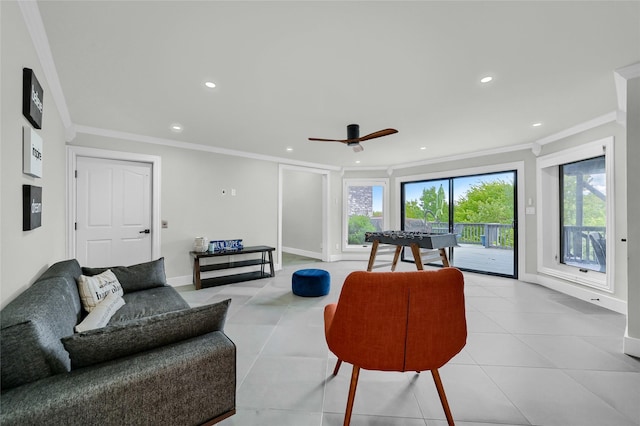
<point x="398" y="321"/>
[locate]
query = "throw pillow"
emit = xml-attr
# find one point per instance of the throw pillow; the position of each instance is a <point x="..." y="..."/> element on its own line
<point x="95" y="288"/>
<point x="101" y="314"/>
<point x="124" y="339"/>
<point x="142" y="276"/>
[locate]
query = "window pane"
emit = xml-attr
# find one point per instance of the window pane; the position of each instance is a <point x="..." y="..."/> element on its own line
<point x="583" y="214"/>
<point x="426" y="206"/>
<point x="365" y="212"/>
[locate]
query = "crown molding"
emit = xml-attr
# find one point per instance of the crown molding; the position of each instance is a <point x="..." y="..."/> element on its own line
<point x="494" y="151"/>
<point x="579" y="128"/>
<point x="620" y="77"/>
<point x="35" y="27"/>
<point x="115" y="134"/>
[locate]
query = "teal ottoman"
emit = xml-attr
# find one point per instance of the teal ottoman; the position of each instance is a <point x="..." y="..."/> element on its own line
<point x="311" y="282"/>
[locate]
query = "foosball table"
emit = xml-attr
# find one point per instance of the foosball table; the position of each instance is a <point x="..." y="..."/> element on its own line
<point x="415" y="240"/>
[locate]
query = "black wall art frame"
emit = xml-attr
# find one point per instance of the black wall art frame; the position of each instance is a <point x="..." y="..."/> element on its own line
<point x="32" y="95"/>
<point x="31" y="207"/>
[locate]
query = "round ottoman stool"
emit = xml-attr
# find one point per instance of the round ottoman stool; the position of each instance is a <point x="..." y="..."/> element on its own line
<point x="310" y="282"/>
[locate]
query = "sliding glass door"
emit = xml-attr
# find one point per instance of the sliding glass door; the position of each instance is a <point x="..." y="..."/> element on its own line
<point x="479" y="209"/>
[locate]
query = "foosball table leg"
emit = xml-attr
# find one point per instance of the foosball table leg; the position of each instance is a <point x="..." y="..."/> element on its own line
<point x="417" y="257"/>
<point x="396" y="256"/>
<point x="445" y="259"/>
<point x="372" y="256"/>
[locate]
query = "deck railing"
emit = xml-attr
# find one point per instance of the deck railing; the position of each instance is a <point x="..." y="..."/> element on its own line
<point x="489" y="235"/>
<point x="585" y="245"/>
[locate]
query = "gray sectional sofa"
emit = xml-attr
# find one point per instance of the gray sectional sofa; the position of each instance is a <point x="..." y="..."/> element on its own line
<point x="157" y="362"/>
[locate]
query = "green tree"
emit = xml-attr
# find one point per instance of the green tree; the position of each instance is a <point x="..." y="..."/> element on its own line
<point x="486" y="202"/>
<point x="412" y="210"/>
<point x="594" y="208"/>
<point x="433" y="205"/>
<point x="358" y="226"/>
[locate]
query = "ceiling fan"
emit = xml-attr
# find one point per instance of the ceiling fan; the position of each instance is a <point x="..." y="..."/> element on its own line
<point x="353" y="137"/>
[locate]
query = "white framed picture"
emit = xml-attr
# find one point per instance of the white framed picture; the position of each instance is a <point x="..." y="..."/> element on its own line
<point x="32" y="154"/>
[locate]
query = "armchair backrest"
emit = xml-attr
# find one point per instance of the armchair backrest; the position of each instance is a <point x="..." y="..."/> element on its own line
<point x="399" y="321"/>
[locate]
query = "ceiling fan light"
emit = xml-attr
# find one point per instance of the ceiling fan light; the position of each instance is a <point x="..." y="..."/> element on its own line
<point x="356" y="147"/>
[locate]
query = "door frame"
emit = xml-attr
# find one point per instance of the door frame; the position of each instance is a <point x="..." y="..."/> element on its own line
<point x="73" y="152"/>
<point x="517" y="166"/>
<point x="325" y="207"/>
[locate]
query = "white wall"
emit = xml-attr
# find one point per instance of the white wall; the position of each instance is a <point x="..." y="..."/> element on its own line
<point x="302" y="212"/>
<point x="26" y="254"/>
<point x="529" y="227"/>
<point x="193" y="204"/>
<point x="632" y="342"/>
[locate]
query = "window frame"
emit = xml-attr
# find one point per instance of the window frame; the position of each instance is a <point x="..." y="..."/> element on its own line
<point x="549" y="210"/>
<point x="348" y="182"/>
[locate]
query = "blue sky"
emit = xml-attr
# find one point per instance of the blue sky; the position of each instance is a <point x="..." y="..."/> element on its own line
<point x="413" y="191"/>
<point x="461" y="185"/>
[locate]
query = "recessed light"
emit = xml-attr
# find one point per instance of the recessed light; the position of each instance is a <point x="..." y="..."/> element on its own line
<point x="289" y="149"/>
<point x="357" y="161"/>
<point x="210" y="84"/>
<point x="423" y="148"/>
<point x="176" y="127"/>
<point x="486" y="79"/>
<point x="536" y="125"/>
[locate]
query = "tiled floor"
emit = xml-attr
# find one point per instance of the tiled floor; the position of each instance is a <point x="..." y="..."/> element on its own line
<point x="533" y="357"/>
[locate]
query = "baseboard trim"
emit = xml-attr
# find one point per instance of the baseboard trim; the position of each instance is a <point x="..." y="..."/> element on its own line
<point x="305" y="253"/>
<point x="180" y="281"/>
<point x="630" y="345"/>
<point x="582" y="293"/>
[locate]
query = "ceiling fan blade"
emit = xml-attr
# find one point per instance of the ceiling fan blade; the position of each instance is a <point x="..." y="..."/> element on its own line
<point x="378" y="134"/>
<point x="327" y="140"/>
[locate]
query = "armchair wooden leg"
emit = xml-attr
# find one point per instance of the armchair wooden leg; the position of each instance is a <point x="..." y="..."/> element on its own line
<point x="338" y="364"/>
<point x="443" y="397"/>
<point x="352" y="394"/>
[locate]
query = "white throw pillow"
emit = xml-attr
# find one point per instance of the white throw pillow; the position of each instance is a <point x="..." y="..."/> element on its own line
<point x="93" y="289"/>
<point x="101" y="314"/>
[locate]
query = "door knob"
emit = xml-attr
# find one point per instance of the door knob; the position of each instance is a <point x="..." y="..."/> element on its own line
<point x="146" y="231"/>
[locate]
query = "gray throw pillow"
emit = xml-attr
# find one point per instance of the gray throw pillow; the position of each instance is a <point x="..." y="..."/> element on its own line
<point x="120" y="340"/>
<point x="138" y="277"/>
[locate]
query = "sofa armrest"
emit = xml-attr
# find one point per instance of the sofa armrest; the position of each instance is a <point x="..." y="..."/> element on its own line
<point x="188" y="382"/>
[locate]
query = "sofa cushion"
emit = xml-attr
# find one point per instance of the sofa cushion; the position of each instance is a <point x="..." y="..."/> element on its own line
<point x="120" y="340"/>
<point x="136" y="277"/>
<point x="69" y="270"/>
<point x="95" y="288"/>
<point x="102" y="313"/>
<point x="31" y="327"/>
<point x="154" y="301"/>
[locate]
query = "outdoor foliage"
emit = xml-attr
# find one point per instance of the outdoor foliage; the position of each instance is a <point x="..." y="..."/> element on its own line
<point x="358" y="226"/>
<point x="486" y="202"/>
<point x="431" y="207"/>
<point x="594" y="206"/>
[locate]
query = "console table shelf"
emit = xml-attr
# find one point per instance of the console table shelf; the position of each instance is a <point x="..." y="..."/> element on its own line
<point x="266" y="258"/>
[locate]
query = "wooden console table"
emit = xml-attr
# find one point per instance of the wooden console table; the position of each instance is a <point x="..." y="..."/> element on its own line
<point x="266" y="258"/>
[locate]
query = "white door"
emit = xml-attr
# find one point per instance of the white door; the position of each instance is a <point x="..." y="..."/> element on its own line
<point x="113" y="217"/>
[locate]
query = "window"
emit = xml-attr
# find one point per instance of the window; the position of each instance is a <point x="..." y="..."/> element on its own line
<point x="576" y="213"/>
<point x="482" y="214"/>
<point x="583" y="217"/>
<point x="366" y="206"/>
